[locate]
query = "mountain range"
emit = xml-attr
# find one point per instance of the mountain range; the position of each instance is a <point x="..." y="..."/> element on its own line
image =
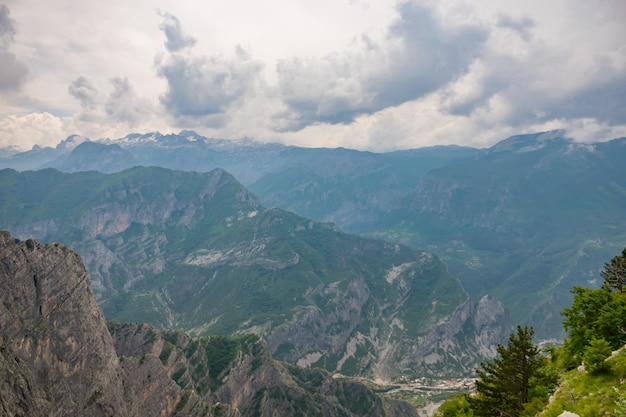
<point x="522" y="221"/>
<point x="198" y="251"/>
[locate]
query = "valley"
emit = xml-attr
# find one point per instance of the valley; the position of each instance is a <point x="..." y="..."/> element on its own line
<point x="199" y="252"/>
<point x="411" y="262"/>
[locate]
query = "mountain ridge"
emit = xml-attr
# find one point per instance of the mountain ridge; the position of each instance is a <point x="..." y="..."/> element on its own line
<point x="179" y="249"/>
<point x="536" y="216"/>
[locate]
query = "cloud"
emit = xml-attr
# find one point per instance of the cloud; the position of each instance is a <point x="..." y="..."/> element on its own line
<point x="544" y="73"/>
<point x="121" y="107"/>
<point x="13" y="72"/>
<point x="602" y="100"/>
<point x="522" y="25"/>
<point x="36" y="128"/>
<point x="420" y="54"/>
<point x="124" y="105"/>
<point x="206" y="86"/>
<point x="84" y="91"/>
<point x="375" y="75"/>
<point x="176" y="40"/>
<point x="7" y="26"/>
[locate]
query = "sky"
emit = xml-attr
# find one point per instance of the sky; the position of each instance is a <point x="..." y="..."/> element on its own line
<point x="374" y="75"/>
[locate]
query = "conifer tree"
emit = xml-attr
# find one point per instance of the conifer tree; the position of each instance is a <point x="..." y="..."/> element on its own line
<point x="614" y="273"/>
<point x="504" y="384"/>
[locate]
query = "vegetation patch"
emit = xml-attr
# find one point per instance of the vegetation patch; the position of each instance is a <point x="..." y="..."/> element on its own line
<point x="583" y="375"/>
<point x="165" y="353"/>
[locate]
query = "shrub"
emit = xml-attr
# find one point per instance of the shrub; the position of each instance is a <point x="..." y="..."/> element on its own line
<point x="596" y="354"/>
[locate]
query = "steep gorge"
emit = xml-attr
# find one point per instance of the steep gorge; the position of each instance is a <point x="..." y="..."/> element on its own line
<point x="58" y="357"/>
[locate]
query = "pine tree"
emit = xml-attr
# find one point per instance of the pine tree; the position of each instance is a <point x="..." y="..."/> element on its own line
<point x="504" y="384"/>
<point x="614" y="273"/>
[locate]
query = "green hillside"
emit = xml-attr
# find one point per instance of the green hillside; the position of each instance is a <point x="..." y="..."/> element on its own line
<point x="525" y="221"/>
<point x="197" y="251"/>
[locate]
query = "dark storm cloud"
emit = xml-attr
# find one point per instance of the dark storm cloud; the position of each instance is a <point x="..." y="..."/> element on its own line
<point x="433" y="54"/>
<point x="200" y="86"/>
<point x="420" y="55"/>
<point x="84" y="91"/>
<point x="534" y="95"/>
<point x="206" y="86"/>
<point x="539" y="81"/>
<point x="176" y="40"/>
<point x="13" y="72"/>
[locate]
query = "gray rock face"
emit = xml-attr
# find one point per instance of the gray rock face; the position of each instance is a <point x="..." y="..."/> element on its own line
<point x="56" y="351"/>
<point x="58" y="357"/>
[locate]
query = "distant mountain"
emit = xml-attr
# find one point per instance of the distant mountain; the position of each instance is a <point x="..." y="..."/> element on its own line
<point x="92" y="156"/>
<point x="198" y="251"/>
<point x="341" y="185"/>
<point x="525" y="221"/>
<point x="348" y="187"/>
<point x="59" y="357"/>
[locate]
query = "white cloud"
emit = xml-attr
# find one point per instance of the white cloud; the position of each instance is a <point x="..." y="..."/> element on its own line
<point x="41" y="129"/>
<point x="372" y="75"/>
<point x="421" y="53"/>
<point x="206" y="86"/>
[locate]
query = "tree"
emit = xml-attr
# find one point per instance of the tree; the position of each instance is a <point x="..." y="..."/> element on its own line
<point x="614" y="273"/>
<point x="595" y="314"/>
<point x="504" y="385"/>
<point x="595" y="355"/>
<point x="582" y="317"/>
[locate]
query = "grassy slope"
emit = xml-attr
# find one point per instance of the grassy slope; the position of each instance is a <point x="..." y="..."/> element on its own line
<point x="591" y="394"/>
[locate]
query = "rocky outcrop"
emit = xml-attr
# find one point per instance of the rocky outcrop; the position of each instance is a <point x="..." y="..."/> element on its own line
<point x="58" y="357"/>
<point x="56" y="350"/>
<point x="469" y="336"/>
<point x="239" y="377"/>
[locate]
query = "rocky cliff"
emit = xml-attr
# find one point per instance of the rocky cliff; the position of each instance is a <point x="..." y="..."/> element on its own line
<point x="58" y="357"/>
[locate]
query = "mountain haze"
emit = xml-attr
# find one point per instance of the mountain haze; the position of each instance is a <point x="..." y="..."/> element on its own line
<point x="199" y="252"/>
<point x="340" y="185"/>
<point x="522" y="221"/>
<point x="525" y="221"/>
<point x="93" y="156"/>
